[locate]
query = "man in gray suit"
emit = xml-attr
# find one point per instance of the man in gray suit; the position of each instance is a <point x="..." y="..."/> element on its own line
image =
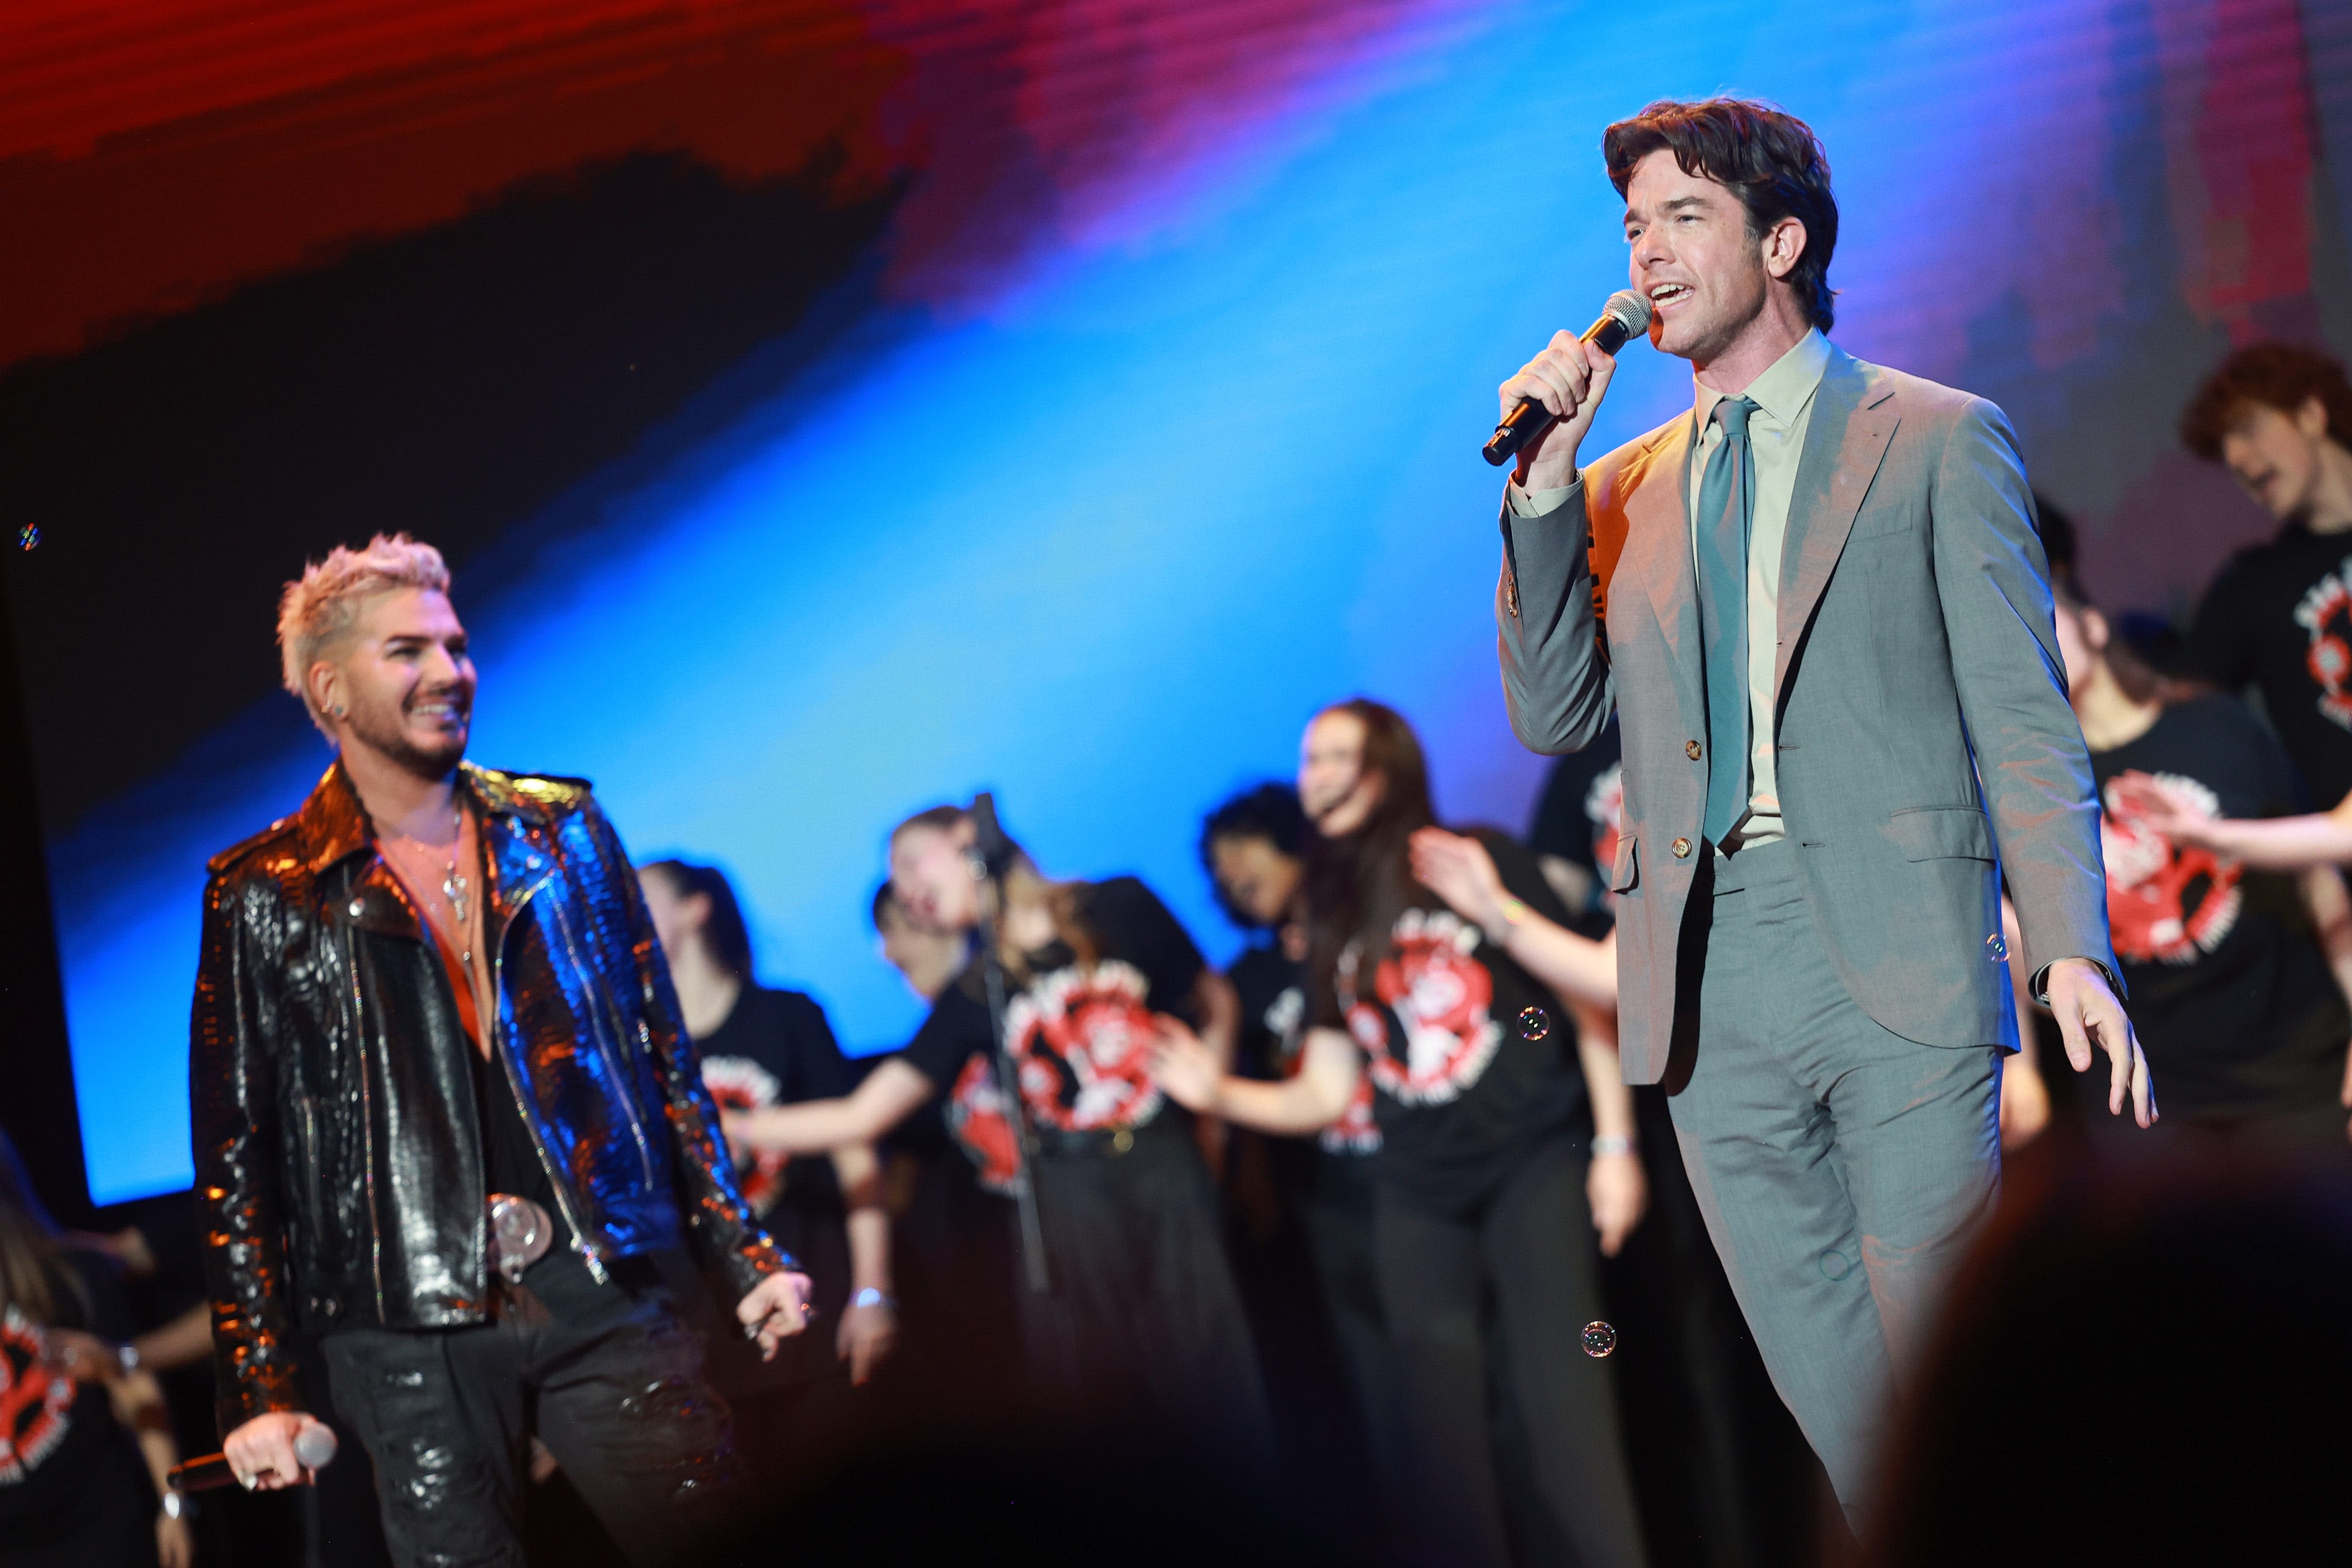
<point x="1818" y="605"/>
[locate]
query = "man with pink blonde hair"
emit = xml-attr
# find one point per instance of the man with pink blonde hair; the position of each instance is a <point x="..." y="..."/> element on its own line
<point x="320" y="608"/>
<point x="447" y="1120"/>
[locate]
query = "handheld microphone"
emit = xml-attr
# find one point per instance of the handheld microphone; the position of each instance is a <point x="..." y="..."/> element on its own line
<point x="315" y="1447"/>
<point x="988" y="842"/>
<point x="1625" y="316"/>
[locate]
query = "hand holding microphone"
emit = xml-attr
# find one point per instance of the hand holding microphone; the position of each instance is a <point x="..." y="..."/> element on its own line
<point x="282" y="1449"/>
<point x="1550" y="404"/>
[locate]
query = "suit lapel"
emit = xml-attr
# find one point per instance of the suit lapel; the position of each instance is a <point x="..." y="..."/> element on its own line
<point x="1658" y="549"/>
<point x="1845" y="441"/>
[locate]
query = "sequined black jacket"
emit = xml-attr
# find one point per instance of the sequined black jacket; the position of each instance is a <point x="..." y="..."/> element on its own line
<point x="337" y="1149"/>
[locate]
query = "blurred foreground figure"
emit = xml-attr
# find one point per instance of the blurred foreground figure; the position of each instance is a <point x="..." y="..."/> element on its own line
<point x="2207" y="1424"/>
<point x="447" y="1120"/>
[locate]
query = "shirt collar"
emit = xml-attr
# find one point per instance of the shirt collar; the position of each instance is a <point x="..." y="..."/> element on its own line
<point x="1783" y="390"/>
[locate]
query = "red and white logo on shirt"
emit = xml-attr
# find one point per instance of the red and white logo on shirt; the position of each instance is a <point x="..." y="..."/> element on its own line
<point x="1086" y="1034"/>
<point x="739" y="1083"/>
<point x="1356" y="1131"/>
<point x="976" y="1116"/>
<point x="2325" y="613"/>
<point x="1082" y="1039"/>
<point x="2165" y="903"/>
<point x="36" y="1402"/>
<point x="1440" y="998"/>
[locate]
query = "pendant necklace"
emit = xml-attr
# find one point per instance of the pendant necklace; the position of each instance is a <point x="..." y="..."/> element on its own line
<point x="454" y="886"/>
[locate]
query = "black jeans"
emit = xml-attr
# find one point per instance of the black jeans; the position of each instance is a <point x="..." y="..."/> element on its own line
<point x="606" y="1375"/>
<point x="1525" y="1259"/>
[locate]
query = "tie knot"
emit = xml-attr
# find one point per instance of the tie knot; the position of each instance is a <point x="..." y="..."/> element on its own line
<point x="1732" y="413"/>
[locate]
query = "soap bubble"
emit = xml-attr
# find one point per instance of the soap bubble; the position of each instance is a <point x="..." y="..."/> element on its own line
<point x="1599" y="1339"/>
<point x="1535" y="1023"/>
<point x="29" y="537"/>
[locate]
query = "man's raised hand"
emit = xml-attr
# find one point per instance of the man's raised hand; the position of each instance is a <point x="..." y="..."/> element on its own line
<point x="1568" y="378"/>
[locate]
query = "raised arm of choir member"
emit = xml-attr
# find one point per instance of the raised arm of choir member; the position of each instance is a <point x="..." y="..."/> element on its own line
<point x="2265" y="843"/>
<point x="1458" y="869"/>
<point x="890" y="1094"/>
<point x="1188" y="1071"/>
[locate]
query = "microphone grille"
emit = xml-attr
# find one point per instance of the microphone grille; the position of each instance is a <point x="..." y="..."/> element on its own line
<point x="315" y="1447"/>
<point x="1632" y="308"/>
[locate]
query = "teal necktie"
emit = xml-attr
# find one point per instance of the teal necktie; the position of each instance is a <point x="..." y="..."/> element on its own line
<point x="1727" y="511"/>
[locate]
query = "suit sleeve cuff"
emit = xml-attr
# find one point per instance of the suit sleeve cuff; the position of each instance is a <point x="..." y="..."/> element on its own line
<point x="2041" y="984"/>
<point x="1535" y="503"/>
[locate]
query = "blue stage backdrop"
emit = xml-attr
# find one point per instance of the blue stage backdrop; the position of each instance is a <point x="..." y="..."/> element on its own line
<point x="1101" y="525"/>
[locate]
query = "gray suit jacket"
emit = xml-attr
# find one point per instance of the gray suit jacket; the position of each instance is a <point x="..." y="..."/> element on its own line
<point x="1924" y="739"/>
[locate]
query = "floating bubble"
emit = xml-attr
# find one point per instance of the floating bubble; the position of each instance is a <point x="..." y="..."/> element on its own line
<point x="1535" y="1023"/>
<point x="1599" y="1339"/>
<point x="28" y="535"/>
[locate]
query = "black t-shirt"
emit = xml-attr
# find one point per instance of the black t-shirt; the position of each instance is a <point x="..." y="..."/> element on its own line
<point x="2230" y="996"/>
<point x="1577" y="819"/>
<point x="1262" y="977"/>
<point x="2279" y="617"/>
<point x="57" y="1434"/>
<point x="1082" y="1037"/>
<point x="1462" y="1091"/>
<point x="776" y="1048"/>
<point x="1273" y="991"/>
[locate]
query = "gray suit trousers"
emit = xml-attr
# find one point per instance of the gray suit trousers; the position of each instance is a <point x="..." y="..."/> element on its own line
<point x="1842" y="1169"/>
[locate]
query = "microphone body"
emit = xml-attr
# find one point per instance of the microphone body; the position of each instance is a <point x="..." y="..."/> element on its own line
<point x="1624" y="317"/>
<point x="315" y="1447"/>
<point x="988" y="842"/>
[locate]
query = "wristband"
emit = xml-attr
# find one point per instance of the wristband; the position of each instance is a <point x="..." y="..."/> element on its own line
<point x="1613" y="1144"/>
<point x="870" y="1297"/>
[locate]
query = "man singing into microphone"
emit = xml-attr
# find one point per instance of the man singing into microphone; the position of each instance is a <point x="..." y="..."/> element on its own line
<point x="446" y="1119"/>
<point x="1818" y="605"/>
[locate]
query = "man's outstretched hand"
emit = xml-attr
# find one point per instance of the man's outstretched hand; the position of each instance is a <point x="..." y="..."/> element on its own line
<point x="2090" y="1018"/>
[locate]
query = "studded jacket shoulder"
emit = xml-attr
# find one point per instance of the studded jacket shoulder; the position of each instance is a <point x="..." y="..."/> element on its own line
<point x="337" y="1150"/>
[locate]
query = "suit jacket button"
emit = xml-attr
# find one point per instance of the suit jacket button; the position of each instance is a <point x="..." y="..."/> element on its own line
<point x="1681" y="849"/>
<point x="1691" y="749"/>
